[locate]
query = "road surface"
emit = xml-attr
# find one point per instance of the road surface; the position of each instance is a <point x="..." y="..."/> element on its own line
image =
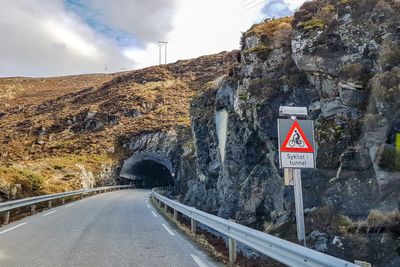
<point x="118" y="228"/>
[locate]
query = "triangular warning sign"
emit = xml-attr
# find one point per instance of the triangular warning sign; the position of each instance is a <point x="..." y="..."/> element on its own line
<point x="296" y="140"/>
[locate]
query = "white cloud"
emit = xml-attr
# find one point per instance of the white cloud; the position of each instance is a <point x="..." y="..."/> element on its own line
<point x="59" y="32"/>
<point x="147" y="20"/>
<point x="280" y="8"/>
<point x="200" y="28"/>
<point x="40" y="38"/>
<point x="293" y="4"/>
<point x="44" y="38"/>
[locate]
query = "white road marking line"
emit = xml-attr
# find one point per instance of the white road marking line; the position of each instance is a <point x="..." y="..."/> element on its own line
<point x="168" y="230"/>
<point x="83" y="200"/>
<point x="148" y="206"/>
<point x="12" y="228"/>
<point x="199" y="261"/>
<point x="49" y="213"/>
<point x="155" y="215"/>
<point x="70" y="205"/>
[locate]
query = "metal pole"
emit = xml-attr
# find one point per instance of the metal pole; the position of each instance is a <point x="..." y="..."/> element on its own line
<point x="193" y="226"/>
<point x="159" y="53"/>
<point x="166" y="53"/>
<point x="232" y="249"/>
<point x="298" y="200"/>
<point x="6" y="217"/>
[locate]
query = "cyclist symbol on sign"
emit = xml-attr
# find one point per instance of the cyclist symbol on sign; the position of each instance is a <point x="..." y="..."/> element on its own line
<point x="296" y="140"/>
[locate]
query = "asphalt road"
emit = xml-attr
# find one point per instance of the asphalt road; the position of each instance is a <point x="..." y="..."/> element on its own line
<point x="113" y="229"/>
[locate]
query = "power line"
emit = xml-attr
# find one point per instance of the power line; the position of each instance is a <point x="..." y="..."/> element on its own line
<point x="244" y="2"/>
<point x="250" y="3"/>
<point x="253" y="6"/>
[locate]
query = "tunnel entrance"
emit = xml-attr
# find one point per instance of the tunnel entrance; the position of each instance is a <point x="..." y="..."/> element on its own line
<point x="148" y="170"/>
<point x="150" y="174"/>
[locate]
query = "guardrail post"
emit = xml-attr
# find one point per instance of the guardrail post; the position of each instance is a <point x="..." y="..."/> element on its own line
<point x="193" y="224"/>
<point x="165" y="207"/>
<point x="49" y="204"/>
<point x="6" y="216"/>
<point x="232" y="248"/>
<point x="33" y="208"/>
<point x="81" y="196"/>
<point x="175" y="215"/>
<point x="63" y="201"/>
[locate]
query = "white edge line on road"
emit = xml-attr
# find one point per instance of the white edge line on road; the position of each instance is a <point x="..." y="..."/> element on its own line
<point x="168" y="230"/>
<point x="70" y="205"/>
<point x="155" y="215"/>
<point x="82" y="200"/>
<point x="49" y="213"/>
<point x="12" y="228"/>
<point x="199" y="261"/>
<point x="148" y="206"/>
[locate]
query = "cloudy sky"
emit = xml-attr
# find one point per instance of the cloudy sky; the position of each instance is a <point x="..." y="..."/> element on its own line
<point x="62" y="37"/>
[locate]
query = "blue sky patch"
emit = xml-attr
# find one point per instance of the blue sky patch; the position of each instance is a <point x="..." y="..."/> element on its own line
<point x="93" y="19"/>
<point x="276" y="8"/>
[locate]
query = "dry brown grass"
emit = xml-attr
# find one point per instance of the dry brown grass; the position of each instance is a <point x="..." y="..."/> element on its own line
<point x="24" y="91"/>
<point x="78" y="119"/>
<point x="51" y="174"/>
<point x="315" y="14"/>
<point x="270" y="26"/>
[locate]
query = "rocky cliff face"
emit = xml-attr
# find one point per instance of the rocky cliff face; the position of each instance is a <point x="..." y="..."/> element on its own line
<point x="341" y="60"/>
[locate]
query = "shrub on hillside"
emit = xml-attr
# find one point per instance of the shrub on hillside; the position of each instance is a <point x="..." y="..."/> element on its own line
<point x="389" y="56"/>
<point x="270" y="26"/>
<point x="309" y="12"/>
<point x="269" y="29"/>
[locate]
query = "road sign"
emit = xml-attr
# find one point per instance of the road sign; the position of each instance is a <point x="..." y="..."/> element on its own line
<point x="296" y="143"/>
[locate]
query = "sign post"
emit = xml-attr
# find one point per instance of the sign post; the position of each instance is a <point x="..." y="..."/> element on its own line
<point x="296" y="152"/>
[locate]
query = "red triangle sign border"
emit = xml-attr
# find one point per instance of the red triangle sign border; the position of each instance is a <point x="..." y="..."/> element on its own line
<point x="308" y="149"/>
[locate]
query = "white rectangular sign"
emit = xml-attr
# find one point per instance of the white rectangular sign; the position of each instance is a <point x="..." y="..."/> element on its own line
<point x="297" y="160"/>
<point x="293" y="111"/>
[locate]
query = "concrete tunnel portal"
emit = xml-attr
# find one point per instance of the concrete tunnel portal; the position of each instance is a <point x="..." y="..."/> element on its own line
<point x="148" y="170"/>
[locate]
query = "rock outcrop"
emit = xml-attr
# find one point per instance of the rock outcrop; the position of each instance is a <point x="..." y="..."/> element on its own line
<point x="341" y="60"/>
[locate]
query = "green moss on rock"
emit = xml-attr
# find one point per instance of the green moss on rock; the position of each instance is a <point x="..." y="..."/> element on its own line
<point x="313" y="23"/>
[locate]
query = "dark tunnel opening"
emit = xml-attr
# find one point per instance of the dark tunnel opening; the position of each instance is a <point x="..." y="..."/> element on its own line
<point x="150" y="174"/>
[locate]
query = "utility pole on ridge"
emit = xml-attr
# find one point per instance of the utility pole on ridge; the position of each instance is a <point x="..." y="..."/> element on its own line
<point x="160" y="43"/>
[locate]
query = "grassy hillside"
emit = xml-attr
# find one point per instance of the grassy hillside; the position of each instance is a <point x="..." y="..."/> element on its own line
<point x="17" y="91"/>
<point x="48" y="125"/>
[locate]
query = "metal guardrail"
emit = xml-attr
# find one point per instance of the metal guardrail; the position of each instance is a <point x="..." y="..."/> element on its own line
<point x="32" y="201"/>
<point x="281" y="250"/>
